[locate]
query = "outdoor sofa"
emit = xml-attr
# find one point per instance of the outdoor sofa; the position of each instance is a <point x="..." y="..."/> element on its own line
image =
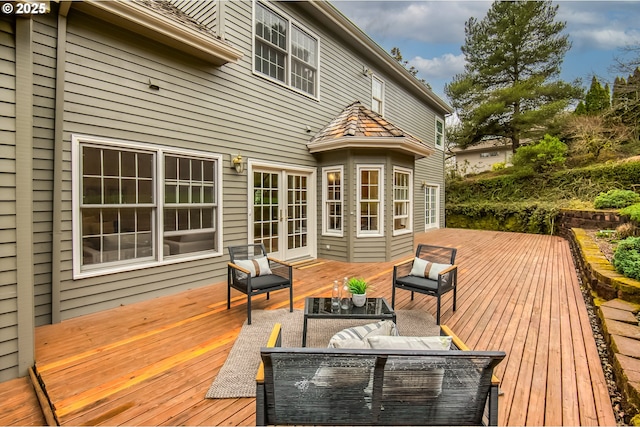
<point x="338" y="386"/>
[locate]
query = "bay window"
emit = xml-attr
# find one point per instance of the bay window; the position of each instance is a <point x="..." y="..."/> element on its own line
<point x="402" y="200"/>
<point x="332" y="184"/>
<point x="370" y="200"/>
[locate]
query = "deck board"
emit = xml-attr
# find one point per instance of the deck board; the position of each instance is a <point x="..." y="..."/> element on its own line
<point x="151" y="363"/>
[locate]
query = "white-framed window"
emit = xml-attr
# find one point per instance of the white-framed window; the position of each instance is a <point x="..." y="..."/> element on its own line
<point x="370" y="200"/>
<point x="402" y="200"/>
<point x="431" y="206"/>
<point x="333" y="201"/>
<point x="136" y="205"/>
<point x="439" y="134"/>
<point x="377" y="95"/>
<point x="284" y="51"/>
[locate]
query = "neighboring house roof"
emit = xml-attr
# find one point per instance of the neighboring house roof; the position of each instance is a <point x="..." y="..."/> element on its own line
<point x="359" y="127"/>
<point x="494" y="143"/>
<point x="162" y="22"/>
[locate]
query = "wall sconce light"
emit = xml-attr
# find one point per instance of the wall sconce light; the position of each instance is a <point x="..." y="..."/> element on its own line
<point x="366" y="71"/>
<point x="236" y="163"/>
<point x="424" y="184"/>
<point x="153" y="86"/>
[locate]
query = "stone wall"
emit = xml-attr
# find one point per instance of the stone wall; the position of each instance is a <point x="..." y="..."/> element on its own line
<point x="588" y="219"/>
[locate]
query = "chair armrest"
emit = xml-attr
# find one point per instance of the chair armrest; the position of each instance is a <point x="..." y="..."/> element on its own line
<point x="446" y="331"/>
<point x="275" y="340"/>
<point x="402" y="263"/>
<point x="277" y="261"/>
<point x="448" y="269"/>
<point x="237" y="267"/>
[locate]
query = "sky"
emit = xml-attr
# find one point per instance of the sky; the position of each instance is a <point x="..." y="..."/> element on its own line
<point x="430" y="34"/>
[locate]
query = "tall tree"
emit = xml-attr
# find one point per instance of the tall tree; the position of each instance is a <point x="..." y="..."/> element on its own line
<point x="510" y="85"/>
<point x="597" y="99"/>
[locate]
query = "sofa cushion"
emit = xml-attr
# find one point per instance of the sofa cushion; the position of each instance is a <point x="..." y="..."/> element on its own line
<point x="428" y="269"/>
<point x="409" y="343"/>
<point x="348" y="338"/>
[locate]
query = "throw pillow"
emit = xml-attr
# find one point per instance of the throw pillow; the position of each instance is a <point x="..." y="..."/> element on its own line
<point x="359" y="333"/>
<point x="428" y="269"/>
<point x="257" y="266"/>
<point x="410" y="343"/>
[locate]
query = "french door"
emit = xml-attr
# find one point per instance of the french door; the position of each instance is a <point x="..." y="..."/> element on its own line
<point x="283" y="211"/>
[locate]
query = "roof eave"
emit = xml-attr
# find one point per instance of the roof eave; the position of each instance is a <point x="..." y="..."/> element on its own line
<point x="149" y="23"/>
<point x="404" y="144"/>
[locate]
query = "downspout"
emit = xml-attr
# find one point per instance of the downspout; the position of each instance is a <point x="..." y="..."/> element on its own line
<point x="24" y="195"/>
<point x="58" y="140"/>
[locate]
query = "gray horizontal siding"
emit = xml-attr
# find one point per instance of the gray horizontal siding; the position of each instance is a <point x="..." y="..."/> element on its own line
<point x="8" y="261"/>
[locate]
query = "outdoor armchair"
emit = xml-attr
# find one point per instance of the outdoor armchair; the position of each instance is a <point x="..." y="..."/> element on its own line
<point x="252" y="272"/>
<point x="432" y="272"/>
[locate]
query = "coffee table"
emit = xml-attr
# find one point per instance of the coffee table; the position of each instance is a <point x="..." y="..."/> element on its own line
<point x="320" y="308"/>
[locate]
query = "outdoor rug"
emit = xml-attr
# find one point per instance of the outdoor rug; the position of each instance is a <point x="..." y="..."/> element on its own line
<point x="237" y="377"/>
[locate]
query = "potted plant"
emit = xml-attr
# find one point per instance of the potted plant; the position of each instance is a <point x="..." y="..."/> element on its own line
<point x="358" y="287"/>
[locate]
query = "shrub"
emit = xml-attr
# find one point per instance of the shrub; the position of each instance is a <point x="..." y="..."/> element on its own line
<point x="616" y="199"/>
<point x="626" y="258"/>
<point x="632" y="212"/>
<point x="548" y="154"/>
<point x="626" y="230"/>
<point x="498" y="166"/>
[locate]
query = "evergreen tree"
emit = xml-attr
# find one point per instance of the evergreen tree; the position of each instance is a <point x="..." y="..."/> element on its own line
<point x="597" y="99"/>
<point x="510" y="84"/>
<point x="581" y="109"/>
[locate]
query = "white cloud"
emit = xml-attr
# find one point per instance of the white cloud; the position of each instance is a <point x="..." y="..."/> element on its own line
<point x="605" y="38"/>
<point x="424" y="21"/>
<point x="444" y="66"/>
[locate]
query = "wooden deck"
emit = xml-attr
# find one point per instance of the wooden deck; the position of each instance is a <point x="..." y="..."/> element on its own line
<point x="151" y="363"/>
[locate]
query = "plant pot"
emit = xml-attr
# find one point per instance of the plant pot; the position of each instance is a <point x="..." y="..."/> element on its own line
<point x="359" y="299"/>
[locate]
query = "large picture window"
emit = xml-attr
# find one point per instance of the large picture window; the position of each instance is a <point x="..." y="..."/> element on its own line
<point x="370" y="200"/>
<point x="138" y="204"/>
<point x="402" y="200"/>
<point x="284" y="51"/>
<point x="332" y="184"/>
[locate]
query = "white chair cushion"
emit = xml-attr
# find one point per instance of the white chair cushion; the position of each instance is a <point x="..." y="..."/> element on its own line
<point x="409" y="343"/>
<point x="350" y="336"/>
<point x="428" y="269"/>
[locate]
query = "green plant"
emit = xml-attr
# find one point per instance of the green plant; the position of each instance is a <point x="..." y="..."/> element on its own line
<point x="626" y="258"/>
<point x="498" y="166"/>
<point x="616" y="199"/>
<point x="548" y="154"/>
<point x="357" y="285"/>
<point x="632" y="211"/>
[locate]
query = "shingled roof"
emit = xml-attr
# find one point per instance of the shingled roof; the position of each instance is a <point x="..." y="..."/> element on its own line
<point x="359" y="127"/>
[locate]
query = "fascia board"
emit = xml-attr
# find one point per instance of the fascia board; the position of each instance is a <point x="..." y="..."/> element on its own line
<point x="391" y="143"/>
<point x="149" y="23"/>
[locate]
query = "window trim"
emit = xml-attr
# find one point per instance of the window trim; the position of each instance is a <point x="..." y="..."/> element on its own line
<point x="435" y="140"/>
<point x="436" y="225"/>
<point x="381" y="179"/>
<point x="409" y="229"/>
<point x="325" y="223"/>
<point x="158" y="233"/>
<point x="291" y="22"/>
<point x="382" y="91"/>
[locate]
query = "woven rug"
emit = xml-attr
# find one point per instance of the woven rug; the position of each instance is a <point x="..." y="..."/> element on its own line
<point x="237" y="377"/>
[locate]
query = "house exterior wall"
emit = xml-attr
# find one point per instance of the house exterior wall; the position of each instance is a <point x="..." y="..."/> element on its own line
<point x="474" y="161"/>
<point x="8" y="238"/>
<point x="225" y="110"/>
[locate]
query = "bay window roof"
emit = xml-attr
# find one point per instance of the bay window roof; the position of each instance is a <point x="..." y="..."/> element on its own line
<point x="359" y="127"/>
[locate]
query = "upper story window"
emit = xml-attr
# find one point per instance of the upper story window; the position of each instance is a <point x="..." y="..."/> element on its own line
<point x="285" y="51"/>
<point x="377" y="95"/>
<point x="439" y="134"/>
<point x="370" y="200"/>
<point x="332" y="201"/>
<point x="135" y="205"/>
<point x="402" y="200"/>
